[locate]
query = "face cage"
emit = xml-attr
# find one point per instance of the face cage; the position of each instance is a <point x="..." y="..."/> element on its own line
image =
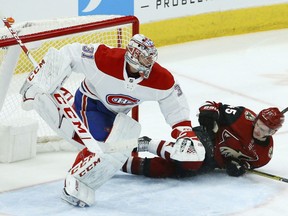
<point x="145" y="65"/>
<point x="143" y="70"/>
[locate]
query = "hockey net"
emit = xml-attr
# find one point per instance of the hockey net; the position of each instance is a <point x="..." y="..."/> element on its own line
<point x="39" y="36"/>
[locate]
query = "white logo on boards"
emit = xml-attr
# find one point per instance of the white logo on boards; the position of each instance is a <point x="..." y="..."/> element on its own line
<point x="92" y="5"/>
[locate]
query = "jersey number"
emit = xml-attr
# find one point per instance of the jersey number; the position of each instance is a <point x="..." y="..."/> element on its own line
<point x="230" y="111"/>
<point x="87" y="52"/>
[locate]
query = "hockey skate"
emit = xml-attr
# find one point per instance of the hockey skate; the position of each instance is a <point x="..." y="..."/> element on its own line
<point x="72" y="200"/>
<point x="77" y="193"/>
<point x="143" y="143"/>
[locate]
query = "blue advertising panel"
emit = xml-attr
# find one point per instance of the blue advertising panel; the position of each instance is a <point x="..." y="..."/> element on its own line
<point x="106" y="7"/>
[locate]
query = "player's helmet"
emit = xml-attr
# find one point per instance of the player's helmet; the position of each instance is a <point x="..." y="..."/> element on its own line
<point x="141" y="54"/>
<point x="271" y="117"/>
<point x="267" y="122"/>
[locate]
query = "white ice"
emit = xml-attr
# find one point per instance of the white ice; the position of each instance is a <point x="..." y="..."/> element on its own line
<point x="249" y="70"/>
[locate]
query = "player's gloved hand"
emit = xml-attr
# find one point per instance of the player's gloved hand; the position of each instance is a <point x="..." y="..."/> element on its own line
<point x="236" y="167"/>
<point x="188" y="148"/>
<point x="208" y="115"/>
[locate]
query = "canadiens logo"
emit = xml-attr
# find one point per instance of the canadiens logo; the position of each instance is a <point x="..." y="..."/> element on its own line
<point x="121" y="100"/>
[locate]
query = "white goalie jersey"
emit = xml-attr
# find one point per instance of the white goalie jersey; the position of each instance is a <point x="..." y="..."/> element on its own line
<point x="106" y="80"/>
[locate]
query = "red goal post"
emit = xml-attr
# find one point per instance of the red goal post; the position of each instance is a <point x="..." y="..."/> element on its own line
<point x="39" y="36"/>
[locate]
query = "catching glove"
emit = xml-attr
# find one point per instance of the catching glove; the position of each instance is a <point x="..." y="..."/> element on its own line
<point x="208" y="115"/>
<point x="236" y="167"/>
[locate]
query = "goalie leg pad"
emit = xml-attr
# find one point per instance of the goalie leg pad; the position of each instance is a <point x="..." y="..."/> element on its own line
<point x="89" y="172"/>
<point x="123" y="136"/>
<point x="49" y="112"/>
<point x="47" y="109"/>
<point x="95" y="170"/>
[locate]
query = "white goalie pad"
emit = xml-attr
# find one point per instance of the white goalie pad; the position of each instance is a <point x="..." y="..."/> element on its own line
<point x="88" y="175"/>
<point x="92" y="172"/>
<point x="95" y="170"/>
<point x="120" y="142"/>
<point x="186" y="150"/>
<point x="49" y="112"/>
<point x="124" y="135"/>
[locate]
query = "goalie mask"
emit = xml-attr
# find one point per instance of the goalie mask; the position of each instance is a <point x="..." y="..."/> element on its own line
<point x="268" y="122"/>
<point x="141" y="54"/>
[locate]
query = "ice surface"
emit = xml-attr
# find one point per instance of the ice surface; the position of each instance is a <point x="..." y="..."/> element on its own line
<point x="248" y="70"/>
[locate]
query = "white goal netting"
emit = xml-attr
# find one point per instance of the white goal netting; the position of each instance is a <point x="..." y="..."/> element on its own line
<point x="39" y="36"/>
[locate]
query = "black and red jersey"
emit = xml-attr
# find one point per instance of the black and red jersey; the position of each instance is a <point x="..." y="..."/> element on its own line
<point x="234" y="138"/>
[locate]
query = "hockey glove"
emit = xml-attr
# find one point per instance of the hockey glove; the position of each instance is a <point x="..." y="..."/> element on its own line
<point x="179" y="128"/>
<point x="188" y="148"/>
<point x="236" y="168"/>
<point x="208" y="115"/>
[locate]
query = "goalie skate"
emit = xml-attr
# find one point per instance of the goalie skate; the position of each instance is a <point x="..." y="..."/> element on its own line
<point x="72" y="200"/>
<point x="77" y="193"/>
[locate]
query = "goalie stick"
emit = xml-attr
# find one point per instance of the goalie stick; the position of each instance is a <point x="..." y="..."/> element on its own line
<point x="19" y="41"/>
<point x="58" y="98"/>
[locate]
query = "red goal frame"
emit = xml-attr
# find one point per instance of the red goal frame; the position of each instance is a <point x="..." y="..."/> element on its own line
<point x="77" y="29"/>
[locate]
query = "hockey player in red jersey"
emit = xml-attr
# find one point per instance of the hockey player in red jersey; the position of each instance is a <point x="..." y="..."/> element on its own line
<point x="235" y="139"/>
<point x="116" y="80"/>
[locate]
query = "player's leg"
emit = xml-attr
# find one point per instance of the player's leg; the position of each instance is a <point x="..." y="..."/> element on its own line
<point x="90" y="171"/>
<point x="53" y="116"/>
<point x="189" y="155"/>
<point x="96" y="117"/>
<point x="151" y="167"/>
<point x="164" y="165"/>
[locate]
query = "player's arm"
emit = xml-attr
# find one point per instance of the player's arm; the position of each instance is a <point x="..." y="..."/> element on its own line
<point x="212" y="115"/>
<point x="209" y="114"/>
<point x="176" y="111"/>
<point x="187" y="146"/>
